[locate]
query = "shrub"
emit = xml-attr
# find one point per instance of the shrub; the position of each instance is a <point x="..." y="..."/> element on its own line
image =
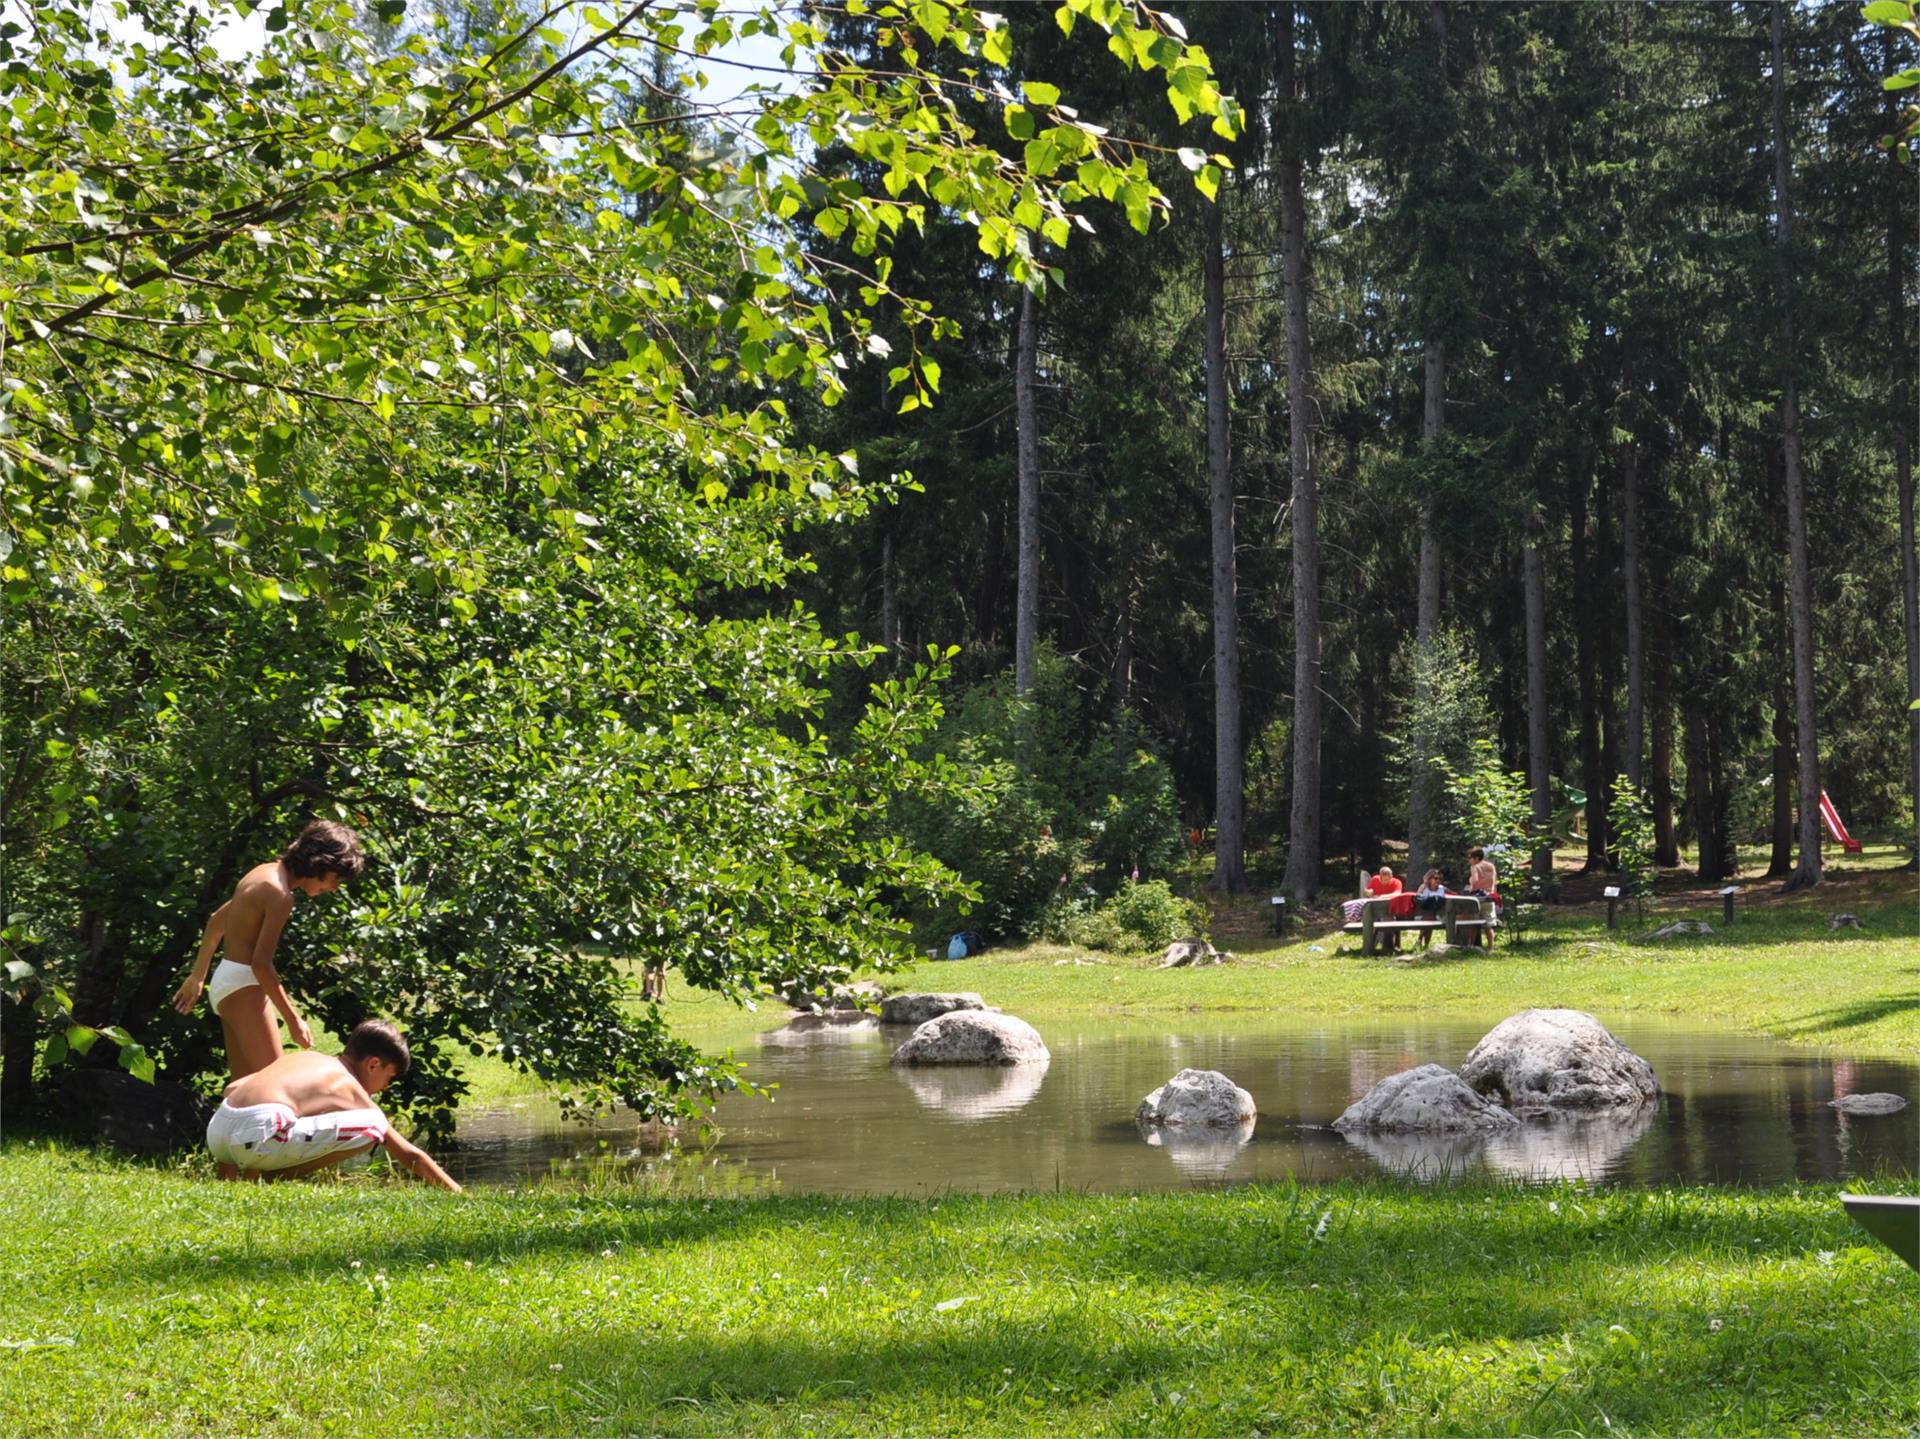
<point x="1140" y="916"/>
<point x="1059" y="796"/>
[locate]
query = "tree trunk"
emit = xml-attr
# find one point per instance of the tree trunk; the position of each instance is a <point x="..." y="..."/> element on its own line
<point x="1636" y="615"/>
<point x="1433" y="424"/>
<point x="1026" y="624"/>
<point x="1584" y="600"/>
<point x="1229" y="800"/>
<point x="1539" y="759"/>
<point x="1302" y="878"/>
<point x="1666" y="842"/>
<point x="19" y="1033"/>
<point x="1899" y="218"/>
<point x="889" y="601"/>
<point x="1801" y="599"/>
<point x="1780" y="863"/>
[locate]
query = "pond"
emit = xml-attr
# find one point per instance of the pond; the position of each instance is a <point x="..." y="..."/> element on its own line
<point x="1734" y="1109"/>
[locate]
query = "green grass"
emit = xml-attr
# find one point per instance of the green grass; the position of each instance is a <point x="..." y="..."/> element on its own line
<point x="1777" y="970"/>
<point x="150" y="1302"/>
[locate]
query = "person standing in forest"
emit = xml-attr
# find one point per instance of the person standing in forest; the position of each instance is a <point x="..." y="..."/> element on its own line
<point x="246" y="990"/>
<point x="1483" y="880"/>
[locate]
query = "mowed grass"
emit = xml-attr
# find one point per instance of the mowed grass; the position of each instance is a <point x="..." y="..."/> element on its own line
<point x="1777" y="969"/>
<point x="143" y="1301"/>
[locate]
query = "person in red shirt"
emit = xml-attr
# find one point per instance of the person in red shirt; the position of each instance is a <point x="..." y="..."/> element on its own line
<point x="1383" y="883"/>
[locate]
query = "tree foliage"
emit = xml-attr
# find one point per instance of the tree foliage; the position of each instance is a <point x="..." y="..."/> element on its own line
<point x="397" y="427"/>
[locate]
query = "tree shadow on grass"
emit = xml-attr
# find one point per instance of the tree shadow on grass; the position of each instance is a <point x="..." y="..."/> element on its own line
<point x="1851" y="1016"/>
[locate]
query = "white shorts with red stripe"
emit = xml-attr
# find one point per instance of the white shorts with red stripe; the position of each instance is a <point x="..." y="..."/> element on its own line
<point x="272" y="1136"/>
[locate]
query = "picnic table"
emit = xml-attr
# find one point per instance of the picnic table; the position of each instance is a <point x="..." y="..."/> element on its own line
<point x="1381" y="919"/>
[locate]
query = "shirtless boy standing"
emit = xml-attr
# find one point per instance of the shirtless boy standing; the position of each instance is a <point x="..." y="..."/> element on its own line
<point x="307" y="1111"/>
<point x="246" y="988"/>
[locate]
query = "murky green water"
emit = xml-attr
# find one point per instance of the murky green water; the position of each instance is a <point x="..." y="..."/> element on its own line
<point x="1735" y="1109"/>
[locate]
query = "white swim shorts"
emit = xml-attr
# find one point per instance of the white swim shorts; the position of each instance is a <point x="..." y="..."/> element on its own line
<point x="273" y="1137"/>
<point x="227" y="977"/>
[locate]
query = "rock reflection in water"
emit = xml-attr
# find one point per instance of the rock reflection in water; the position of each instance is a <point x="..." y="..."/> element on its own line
<point x="971" y="1093"/>
<point x="805" y="1029"/>
<point x="1570" y="1146"/>
<point x="1201" y="1153"/>
<point x="1540" y="1147"/>
<point x="1428" y="1155"/>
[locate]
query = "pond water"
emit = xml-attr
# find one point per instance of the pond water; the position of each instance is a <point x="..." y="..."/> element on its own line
<point x="1734" y="1109"/>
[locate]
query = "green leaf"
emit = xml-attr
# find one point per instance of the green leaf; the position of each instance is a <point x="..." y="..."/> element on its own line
<point x="1887" y="12"/>
<point x="137" y="1062"/>
<point x="1040" y="93"/>
<point x="81" y="1038"/>
<point x="1905" y="80"/>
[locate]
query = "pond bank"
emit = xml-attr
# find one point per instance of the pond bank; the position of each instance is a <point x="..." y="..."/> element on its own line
<point x="147" y="1302"/>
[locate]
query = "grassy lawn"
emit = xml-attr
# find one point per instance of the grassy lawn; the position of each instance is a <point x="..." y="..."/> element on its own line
<point x="148" y="1302"/>
<point x="1778" y="969"/>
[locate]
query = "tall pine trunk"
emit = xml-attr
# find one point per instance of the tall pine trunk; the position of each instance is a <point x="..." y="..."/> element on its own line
<point x="1026" y="623"/>
<point x="1420" y="803"/>
<point x="1302" y="878"/>
<point x="1229" y="801"/>
<point x="1899" y="218"/>
<point x="1539" y="759"/>
<point x="1666" y="841"/>
<point x="1807" y="872"/>
<point x="1584" y="602"/>
<point x="889" y="601"/>
<point x="1636" y="614"/>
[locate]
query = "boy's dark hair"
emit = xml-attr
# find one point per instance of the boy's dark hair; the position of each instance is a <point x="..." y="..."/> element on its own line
<point x="1476" y="853"/>
<point x="325" y="848"/>
<point x="376" y="1039"/>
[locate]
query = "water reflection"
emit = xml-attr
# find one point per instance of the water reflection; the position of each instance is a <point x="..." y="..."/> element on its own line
<point x="805" y="1029"/>
<point x="1444" y="1154"/>
<point x="1736" y="1110"/>
<point x="971" y="1093"/>
<point x="1569" y="1146"/>
<point x="1201" y="1152"/>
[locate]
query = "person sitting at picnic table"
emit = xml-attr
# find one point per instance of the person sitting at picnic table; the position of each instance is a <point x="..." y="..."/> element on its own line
<point x="1383" y="883"/>
<point x="1431" y="897"/>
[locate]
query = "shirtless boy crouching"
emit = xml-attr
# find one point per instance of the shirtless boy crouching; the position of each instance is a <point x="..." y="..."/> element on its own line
<point x="307" y="1111"/>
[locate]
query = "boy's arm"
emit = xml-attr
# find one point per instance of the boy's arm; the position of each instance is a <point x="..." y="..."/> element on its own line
<point x="419" y="1162"/>
<point x="188" y="994"/>
<point x="271" y="924"/>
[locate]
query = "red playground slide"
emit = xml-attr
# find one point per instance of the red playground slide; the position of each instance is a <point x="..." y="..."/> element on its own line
<point x="1835" y="827"/>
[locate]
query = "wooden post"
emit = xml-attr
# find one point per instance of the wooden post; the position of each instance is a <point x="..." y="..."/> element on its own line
<point x="1612" y="893"/>
<point x="1726" y="903"/>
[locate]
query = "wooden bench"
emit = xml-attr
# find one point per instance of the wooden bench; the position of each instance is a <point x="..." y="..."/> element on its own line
<point x="1462" y="916"/>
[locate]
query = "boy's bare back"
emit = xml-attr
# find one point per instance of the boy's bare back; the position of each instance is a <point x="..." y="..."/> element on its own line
<point x="263" y="896"/>
<point x="307" y="1083"/>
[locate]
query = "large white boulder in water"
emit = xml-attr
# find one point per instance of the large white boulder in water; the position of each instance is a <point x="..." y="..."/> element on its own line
<point x="919" y="1008"/>
<point x="1557" y="1059"/>
<point x="1430" y="1099"/>
<point x="1197" y="1098"/>
<point x="973" y="1036"/>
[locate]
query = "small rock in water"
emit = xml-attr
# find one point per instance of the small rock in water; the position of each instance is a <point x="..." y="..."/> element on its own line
<point x="1868" y="1103"/>
<point x="1557" y="1059"/>
<point x="1430" y="1098"/>
<point x="1197" y="1097"/>
<point x="973" y="1036"/>
<point x="917" y="1009"/>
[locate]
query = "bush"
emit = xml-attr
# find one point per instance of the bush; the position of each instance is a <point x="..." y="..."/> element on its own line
<point x="1060" y="797"/>
<point x="1140" y="916"/>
